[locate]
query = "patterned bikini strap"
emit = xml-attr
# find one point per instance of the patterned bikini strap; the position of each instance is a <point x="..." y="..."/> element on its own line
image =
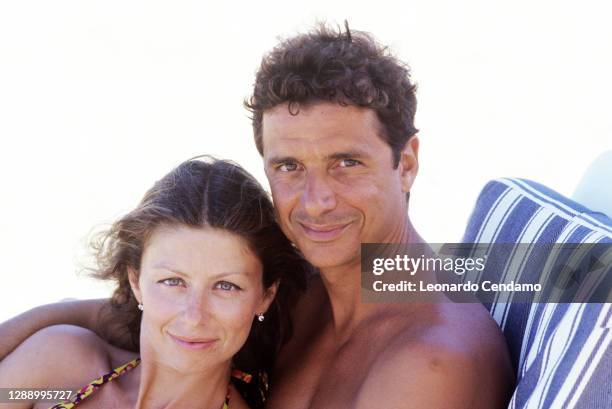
<point x="96" y="384"/>
<point x="242" y="376"/>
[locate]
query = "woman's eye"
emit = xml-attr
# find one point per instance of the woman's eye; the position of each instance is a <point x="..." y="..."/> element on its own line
<point x="226" y="286"/>
<point x="347" y="163"/>
<point x="173" y="282"/>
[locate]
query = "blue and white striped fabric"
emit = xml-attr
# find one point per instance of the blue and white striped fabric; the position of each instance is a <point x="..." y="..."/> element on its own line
<point x="561" y="352"/>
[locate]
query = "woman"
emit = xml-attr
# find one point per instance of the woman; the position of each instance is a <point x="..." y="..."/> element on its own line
<point x="205" y="281"/>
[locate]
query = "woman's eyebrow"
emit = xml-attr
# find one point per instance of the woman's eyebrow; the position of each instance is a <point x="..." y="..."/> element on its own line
<point x="230" y="273"/>
<point x="163" y="266"/>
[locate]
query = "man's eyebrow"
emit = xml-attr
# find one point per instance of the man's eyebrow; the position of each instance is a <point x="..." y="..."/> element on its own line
<point x="346" y="155"/>
<point x="276" y="160"/>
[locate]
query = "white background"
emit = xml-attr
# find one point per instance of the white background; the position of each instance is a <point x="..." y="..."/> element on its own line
<point x="98" y="99"/>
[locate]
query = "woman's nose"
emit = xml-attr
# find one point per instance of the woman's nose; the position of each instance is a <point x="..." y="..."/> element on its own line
<point x="196" y="309"/>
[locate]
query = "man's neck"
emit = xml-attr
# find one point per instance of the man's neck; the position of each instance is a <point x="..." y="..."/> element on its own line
<point x="343" y="286"/>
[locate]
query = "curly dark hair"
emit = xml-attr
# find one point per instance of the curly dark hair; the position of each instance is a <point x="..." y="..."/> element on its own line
<point x="348" y="67"/>
<point x="217" y="194"/>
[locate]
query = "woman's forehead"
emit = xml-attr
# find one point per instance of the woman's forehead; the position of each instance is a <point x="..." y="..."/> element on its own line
<point x="215" y="251"/>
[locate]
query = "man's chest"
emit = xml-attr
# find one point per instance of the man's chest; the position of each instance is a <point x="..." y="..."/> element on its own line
<point x="320" y="385"/>
<point x="321" y="375"/>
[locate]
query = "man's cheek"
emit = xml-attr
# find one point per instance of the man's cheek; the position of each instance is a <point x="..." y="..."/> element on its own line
<point x="282" y="204"/>
<point x="287" y="229"/>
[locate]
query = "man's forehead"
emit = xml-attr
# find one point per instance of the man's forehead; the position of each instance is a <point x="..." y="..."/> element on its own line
<point x="321" y="147"/>
<point x="323" y="127"/>
<point x="296" y="112"/>
<point x="313" y="153"/>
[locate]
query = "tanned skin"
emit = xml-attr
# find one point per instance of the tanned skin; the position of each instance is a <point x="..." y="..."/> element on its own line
<point x="335" y="186"/>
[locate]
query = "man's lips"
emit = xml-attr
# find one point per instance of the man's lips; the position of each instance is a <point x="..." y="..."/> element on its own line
<point x="323" y="233"/>
<point x="193" y="343"/>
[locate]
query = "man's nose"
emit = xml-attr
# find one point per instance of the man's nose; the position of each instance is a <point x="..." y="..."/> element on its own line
<point x="318" y="196"/>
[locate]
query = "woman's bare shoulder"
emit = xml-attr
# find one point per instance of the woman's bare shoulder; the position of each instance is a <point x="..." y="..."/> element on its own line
<point x="62" y="356"/>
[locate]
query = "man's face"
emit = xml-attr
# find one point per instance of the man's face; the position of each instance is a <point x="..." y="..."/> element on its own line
<point x="333" y="181"/>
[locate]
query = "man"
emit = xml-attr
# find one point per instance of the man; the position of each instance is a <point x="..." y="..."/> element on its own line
<point x="333" y="119"/>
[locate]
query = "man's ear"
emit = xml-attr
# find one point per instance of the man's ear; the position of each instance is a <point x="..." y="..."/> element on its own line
<point x="133" y="278"/>
<point x="409" y="163"/>
<point x="268" y="298"/>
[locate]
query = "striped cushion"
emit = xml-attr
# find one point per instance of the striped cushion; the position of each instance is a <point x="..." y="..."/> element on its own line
<point x="561" y="352"/>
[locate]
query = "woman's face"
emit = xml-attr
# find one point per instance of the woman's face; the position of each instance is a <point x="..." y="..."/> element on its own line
<point x="200" y="288"/>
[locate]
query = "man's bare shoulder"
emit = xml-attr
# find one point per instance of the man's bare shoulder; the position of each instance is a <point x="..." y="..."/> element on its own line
<point x="454" y="356"/>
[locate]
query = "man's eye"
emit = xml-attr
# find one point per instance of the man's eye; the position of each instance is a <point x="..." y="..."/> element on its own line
<point x="347" y="163"/>
<point x="173" y="282"/>
<point x="288" y="167"/>
<point x="226" y="286"/>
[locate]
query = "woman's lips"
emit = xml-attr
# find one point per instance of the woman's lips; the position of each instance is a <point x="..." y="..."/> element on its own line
<point x="193" y="343"/>
<point x="323" y="233"/>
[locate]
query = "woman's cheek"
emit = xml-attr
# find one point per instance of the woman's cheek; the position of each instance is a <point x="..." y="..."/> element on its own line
<point x="238" y="317"/>
<point x="159" y="303"/>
